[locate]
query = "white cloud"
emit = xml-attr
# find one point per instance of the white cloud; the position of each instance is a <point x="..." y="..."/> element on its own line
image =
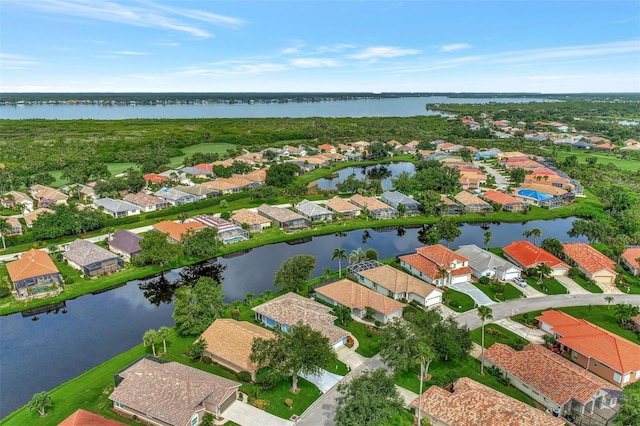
<point x="10" y="61"/>
<point x="454" y="46"/>
<point x="314" y="62"/>
<point x="383" y="52"/>
<point x="298" y="45"/>
<point x="335" y="48"/>
<point x="130" y="53"/>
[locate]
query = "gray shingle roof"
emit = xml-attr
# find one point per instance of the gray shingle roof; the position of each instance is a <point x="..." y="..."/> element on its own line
<point x="126" y="241"/>
<point x="115" y="205"/>
<point x="279" y="214"/>
<point x="395" y="198"/>
<point x="84" y="253"/>
<point x="310" y="209"/>
<point x="481" y="260"/>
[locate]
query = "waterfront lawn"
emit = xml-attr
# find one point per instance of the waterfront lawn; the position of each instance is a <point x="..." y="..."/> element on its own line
<point x="549" y="285"/>
<point x="509" y="292"/>
<point x="447" y="372"/>
<point x="368" y="340"/>
<point x="458" y="301"/>
<point x="602" y="316"/>
<point x="493" y="333"/>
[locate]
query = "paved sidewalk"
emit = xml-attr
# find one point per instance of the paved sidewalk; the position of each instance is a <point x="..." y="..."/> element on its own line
<point x="474" y="292"/>
<point x="534" y="335"/>
<point x="446" y="311"/>
<point x="248" y="415"/>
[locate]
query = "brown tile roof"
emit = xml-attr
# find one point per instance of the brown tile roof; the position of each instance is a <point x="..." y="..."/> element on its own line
<point x="45" y="192"/>
<point x="545" y="189"/>
<point x="423" y="265"/>
<point x="31" y="217"/>
<point x="473" y="404"/>
<point x="371" y="203"/>
<point x="170" y="392"/>
<point x="468" y="199"/>
<point x="397" y="281"/>
<point x="155" y="178"/>
<point x="86" y="418"/>
<point x="500" y="197"/>
<point x="341" y="205"/>
<point x="279" y="214"/>
<point x="354" y="295"/>
<point x="177" y="230"/>
<point x="529" y="255"/>
<point x="631" y="254"/>
<point x="447" y="201"/>
<point x="290" y="308"/>
<point x="231" y="340"/>
<point x="12" y="221"/>
<point x="590" y="340"/>
<point x="548" y="373"/>
<point x="589" y="258"/>
<point x="33" y="263"/>
<point x="248" y="217"/>
<point x="220" y="185"/>
<point x="441" y="255"/>
<point x="142" y="199"/>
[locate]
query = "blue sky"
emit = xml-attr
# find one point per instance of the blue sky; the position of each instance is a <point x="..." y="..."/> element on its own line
<point x="319" y="46"/>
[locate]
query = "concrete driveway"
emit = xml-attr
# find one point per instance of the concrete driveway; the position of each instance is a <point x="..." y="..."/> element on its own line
<point x="248" y="415"/>
<point x="474" y="292"/>
<point x="501" y="181"/>
<point x="324" y="381"/>
<point x="533" y="335"/>
<point x="572" y="286"/>
<point x="528" y="291"/>
<point x="350" y="357"/>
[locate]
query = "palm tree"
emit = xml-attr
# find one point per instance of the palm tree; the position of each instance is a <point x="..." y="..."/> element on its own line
<point x="485" y="313"/>
<point x="163" y="333"/>
<point x="356" y="255"/>
<point x="149" y="338"/>
<point x="4" y="228"/>
<point x="267" y="294"/>
<point x="526" y="235"/>
<point x="487" y="237"/>
<point x="248" y="298"/>
<point x="535" y="232"/>
<point x="426" y="356"/>
<point x="609" y="300"/>
<point x="339" y="253"/>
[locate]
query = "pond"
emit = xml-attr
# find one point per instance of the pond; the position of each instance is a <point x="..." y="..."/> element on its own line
<point x="393" y="170"/>
<point x="39" y="355"/>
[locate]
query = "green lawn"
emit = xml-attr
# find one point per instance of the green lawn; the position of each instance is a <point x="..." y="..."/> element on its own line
<point x="508" y="292"/>
<point x="551" y="286"/>
<point x="205" y="148"/>
<point x="603" y="159"/>
<point x="446" y="372"/>
<point x="368" y="340"/>
<point x="493" y="333"/>
<point x="592" y="288"/>
<point x="602" y="316"/>
<point x="634" y="283"/>
<point x="458" y="301"/>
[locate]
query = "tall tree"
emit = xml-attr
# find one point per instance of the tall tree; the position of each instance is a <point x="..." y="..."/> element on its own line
<point x="448" y="229"/>
<point x="487" y="238"/>
<point x="553" y="246"/>
<point x="609" y="300"/>
<point x="369" y="399"/>
<point x="543" y="270"/>
<point x="150" y="337"/>
<point x="163" y="333"/>
<point x="340" y="254"/>
<point x="629" y="412"/>
<point x="426" y="357"/>
<point x="536" y="232"/>
<point x="344" y="314"/>
<point x="4" y="229"/>
<point x="294" y="272"/>
<point x="195" y="308"/>
<point x="203" y="243"/>
<point x="356" y="255"/>
<point x="300" y="350"/>
<point x="39" y="403"/>
<point x="156" y="249"/>
<point x="485" y="313"/>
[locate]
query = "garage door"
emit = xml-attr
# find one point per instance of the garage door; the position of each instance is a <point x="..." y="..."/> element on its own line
<point x="227" y="402"/>
<point x="459" y="279"/>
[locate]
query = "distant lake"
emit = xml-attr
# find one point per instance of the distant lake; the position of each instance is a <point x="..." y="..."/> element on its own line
<point x="628" y="123"/>
<point x="385" y="107"/>
<point x="360" y="172"/>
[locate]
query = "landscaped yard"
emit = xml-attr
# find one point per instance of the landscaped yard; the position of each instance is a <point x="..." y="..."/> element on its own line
<point x="369" y="341"/>
<point x="592" y="288"/>
<point x="458" y="301"/>
<point x="499" y="291"/>
<point x="549" y="286"/>
<point x="493" y="333"/>
<point x="634" y="283"/>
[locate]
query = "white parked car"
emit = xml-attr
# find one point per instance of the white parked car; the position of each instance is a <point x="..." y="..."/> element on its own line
<point x="520" y="281"/>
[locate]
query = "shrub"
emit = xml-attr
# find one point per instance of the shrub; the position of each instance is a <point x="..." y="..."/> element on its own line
<point x="4" y="292"/>
<point x="261" y="403"/>
<point x="288" y="402"/>
<point x="243" y="376"/>
<point x="235" y="314"/>
<point x="485" y="280"/>
<point x="265" y="379"/>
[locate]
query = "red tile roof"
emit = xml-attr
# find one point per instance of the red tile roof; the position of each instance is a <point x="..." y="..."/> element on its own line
<point x="631" y="254"/>
<point x="177" y="230"/>
<point x="592" y="341"/>
<point x="440" y="254"/>
<point x="473" y="404"/>
<point x="86" y="418"/>
<point x="155" y="178"/>
<point x="588" y="258"/>
<point x="33" y="263"/>
<point x="529" y="255"/>
<point x="354" y="295"/>
<point x="552" y="375"/>
<point x="500" y="197"/>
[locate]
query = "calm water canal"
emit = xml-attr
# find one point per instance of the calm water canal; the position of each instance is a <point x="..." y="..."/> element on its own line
<point x="39" y="355"/>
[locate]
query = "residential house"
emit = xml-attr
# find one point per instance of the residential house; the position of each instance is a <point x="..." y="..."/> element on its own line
<point x="47" y="196"/>
<point x="636" y="322"/>
<point x="469" y="403"/>
<point x="170" y="393"/>
<point x="335" y="157"/>
<point x="313" y="211"/>
<point x="448" y="207"/>
<point x="343" y="207"/>
<point x="256" y="177"/>
<point x="605" y="147"/>
<point x="176" y="231"/>
<point x="228" y="232"/>
<point x="377" y="209"/>
<point x="174" y="197"/>
<point x="116" y="208"/>
<point x="287" y="310"/>
<point x="595" y="265"/>
<point x="15" y="227"/>
<point x="602" y="352"/>
<point x="526" y="255"/>
<point x="82" y="192"/>
<point x="254" y="221"/>
<point x="229" y="343"/>
<point x="395" y="198"/>
<point x="552" y="380"/>
<point x="284" y="219"/>
<point x="146" y="202"/>
<point x="506" y="201"/>
<point x="358" y="298"/>
<point x="32" y="272"/>
<point x="470" y="177"/>
<point x="490" y="153"/>
<point x="503" y="157"/>
<point x="325" y="147"/>
<point x="222" y="187"/>
<point x="177" y="177"/>
<point x="394" y="283"/>
<point x="33" y="216"/>
<point x="437" y="265"/>
<point x="82" y="417"/>
<point x="199" y="191"/>
<point x="91" y="260"/>
<point x="318" y="160"/>
<point x="293" y="151"/>
<point x="242" y="182"/>
<point x="197" y="172"/>
<point x="13" y="199"/>
<point x="630" y="259"/>
<point x="250" y="158"/>
<point x="483" y="263"/>
<point x="472" y="203"/>
<point x="406" y="149"/>
<point x="124" y="243"/>
<point x="155" y="179"/>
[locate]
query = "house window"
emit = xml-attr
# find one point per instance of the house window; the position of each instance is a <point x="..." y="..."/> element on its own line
<point x="194" y="420"/>
<point x="574" y="356"/>
<point x="626" y="378"/>
<point x="617" y="377"/>
<point x="637" y="375"/>
<point x="595" y="363"/>
<point x="117" y="404"/>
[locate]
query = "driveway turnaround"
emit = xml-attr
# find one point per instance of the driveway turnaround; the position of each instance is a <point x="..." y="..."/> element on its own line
<point x="324" y="381"/>
<point x="476" y="294"/>
<point x="248" y="415"/>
